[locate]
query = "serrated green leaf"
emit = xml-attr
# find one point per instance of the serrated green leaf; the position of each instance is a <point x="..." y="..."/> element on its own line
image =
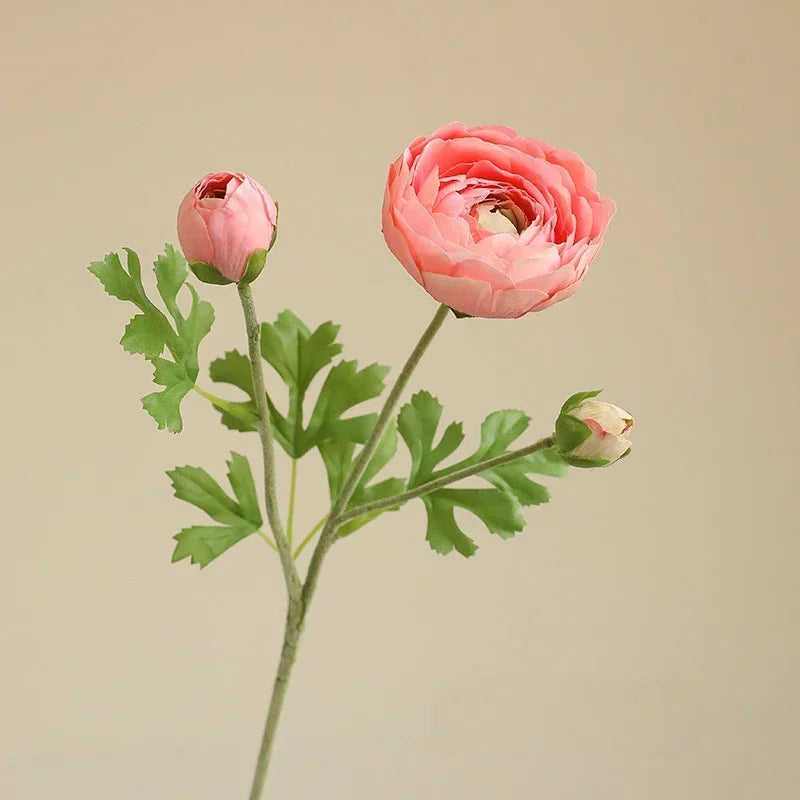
<point x="171" y="271"/>
<point x="203" y="543"/>
<point x="417" y="423"/>
<point x="337" y="456"/>
<point x="145" y="336"/>
<point x="345" y="387"/>
<point x="298" y="356"/>
<point x="196" y="486"/>
<point x="115" y="280"/>
<point x="443" y="533"/>
<point x="497" y="509"/>
<point x="193" y="330"/>
<point x="241" y="479"/>
<point x="234" y="369"/>
<point x="295" y="353"/>
<point x="547" y="462"/>
<point x="239" y="518"/>
<point x="513" y="478"/>
<point x="165" y="406"/>
<point x="150" y="332"/>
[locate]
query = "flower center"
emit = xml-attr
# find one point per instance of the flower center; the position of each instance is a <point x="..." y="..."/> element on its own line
<point x="216" y="188"/>
<point x="498" y="217"/>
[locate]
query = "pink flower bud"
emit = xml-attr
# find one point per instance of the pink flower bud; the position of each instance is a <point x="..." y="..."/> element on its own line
<point x="608" y="424"/>
<point x="223" y="219"/>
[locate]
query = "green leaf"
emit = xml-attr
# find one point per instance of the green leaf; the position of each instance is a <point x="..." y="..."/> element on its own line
<point x="151" y="332"/>
<point x="196" y="486"/>
<point x="417" y="423"/>
<point x="443" y="533"/>
<point x="116" y="281"/>
<point x="298" y="355"/>
<point x="193" y="330"/>
<point x="165" y="406"/>
<point x="295" y="353"/>
<point x="234" y="369"/>
<point x="497" y="509"/>
<point x="345" y="387"/>
<point x="238" y="517"/>
<point x="241" y="479"/>
<point x="203" y="543"/>
<point x="145" y="336"/>
<point x="338" y="457"/>
<point x="171" y="272"/>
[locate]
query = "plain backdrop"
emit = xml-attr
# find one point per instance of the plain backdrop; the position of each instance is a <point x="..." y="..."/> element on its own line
<point x="639" y="640"/>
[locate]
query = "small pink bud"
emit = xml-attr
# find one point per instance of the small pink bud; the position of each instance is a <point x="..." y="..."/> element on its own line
<point x="609" y="427"/>
<point x="223" y="219"/>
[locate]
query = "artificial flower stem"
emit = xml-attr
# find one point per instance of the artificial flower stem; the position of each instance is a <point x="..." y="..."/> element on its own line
<point x="267" y="540"/>
<point x="309" y="536"/>
<point x="298" y="606"/>
<point x="446" y="480"/>
<point x="264" y="427"/>
<point x="328" y="535"/>
<point x="226" y="405"/>
<point x="292" y="498"/>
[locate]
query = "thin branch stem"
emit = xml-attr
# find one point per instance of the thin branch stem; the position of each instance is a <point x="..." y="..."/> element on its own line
<point x="264" y="426"/>
<point x="309" y="536"/>
<point x="446" y="480"/>
<point x="228" y="406"/>
<point x="292" y="499"/>
<point x="267" y="540"/>
<point x="328" y="535"/>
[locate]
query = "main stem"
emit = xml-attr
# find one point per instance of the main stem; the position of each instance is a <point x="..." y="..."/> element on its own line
<point x="294" y="615"/>
<point x="300" y="596"/>
<point x="328" y="535"/>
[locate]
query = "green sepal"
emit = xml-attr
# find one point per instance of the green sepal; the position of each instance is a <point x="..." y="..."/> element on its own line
<point x="460" y="314"/>
<point x="586" y="463"/>
<point x="577" y="399"/>
<point x="208" y="273"/>
<point x="256" y="262"/>
<point x="570" y="432"/>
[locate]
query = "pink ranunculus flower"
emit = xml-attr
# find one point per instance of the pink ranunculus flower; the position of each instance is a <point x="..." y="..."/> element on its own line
<point x="223" y="218"/>
<point x="491" y="223"/>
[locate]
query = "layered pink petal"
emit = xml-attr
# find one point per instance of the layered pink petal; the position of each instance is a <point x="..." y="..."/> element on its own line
<point x="438" y="199"/>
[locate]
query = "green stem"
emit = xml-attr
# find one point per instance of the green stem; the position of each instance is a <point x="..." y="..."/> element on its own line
<point x="267" y="540"/>
<point x="264" y="427"/>
<point x="309" y="536"/>
<point x="292" y="498"/>
<point x="234" y="409"/>
<point x="299" y="604"/>
<point x="328" y="535"/>
<point x="294" y="612"/>
<point x="446" y="480"/>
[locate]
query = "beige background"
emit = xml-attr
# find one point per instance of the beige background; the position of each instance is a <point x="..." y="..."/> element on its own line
<point x="639" y="640"/>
